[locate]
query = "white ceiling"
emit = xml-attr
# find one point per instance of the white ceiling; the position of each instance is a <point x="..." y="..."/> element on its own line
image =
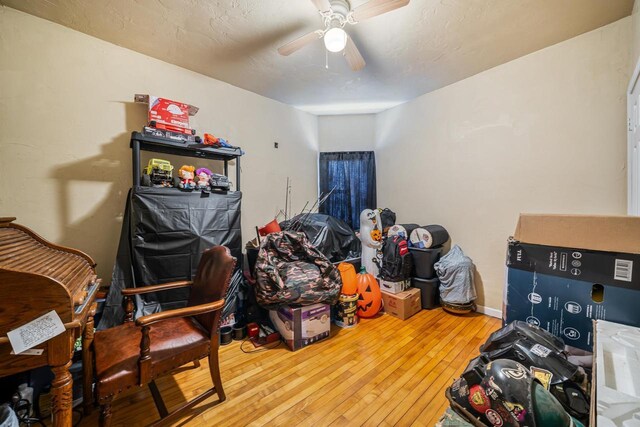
<point x="410" y="51"/>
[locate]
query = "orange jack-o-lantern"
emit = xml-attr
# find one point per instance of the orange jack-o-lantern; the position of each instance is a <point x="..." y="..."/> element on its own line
<point x="349" y="278"/>
<point x="370" y="298"/>
<point x="376" y="234"/>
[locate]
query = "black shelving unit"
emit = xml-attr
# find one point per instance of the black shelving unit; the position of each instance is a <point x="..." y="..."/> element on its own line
<point x="143" y="142"/>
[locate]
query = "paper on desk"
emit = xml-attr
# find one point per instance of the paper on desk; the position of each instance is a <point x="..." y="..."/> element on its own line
<point x="35" y="332"/>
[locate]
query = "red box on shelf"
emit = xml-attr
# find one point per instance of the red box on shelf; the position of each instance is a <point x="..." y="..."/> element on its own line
<point x="168" y="114"/>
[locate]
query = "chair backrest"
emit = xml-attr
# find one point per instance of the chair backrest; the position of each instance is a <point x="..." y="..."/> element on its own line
<point x="211" y="283"/>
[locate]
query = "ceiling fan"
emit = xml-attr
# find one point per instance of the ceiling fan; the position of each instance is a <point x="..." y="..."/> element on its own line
<point x="336" y="14"/>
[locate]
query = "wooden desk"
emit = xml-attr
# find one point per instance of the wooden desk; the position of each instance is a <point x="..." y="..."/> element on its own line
<point x="36" y="277"/>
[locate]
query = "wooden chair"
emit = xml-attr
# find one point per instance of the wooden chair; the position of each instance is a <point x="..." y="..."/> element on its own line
<point x="136" y="353"/>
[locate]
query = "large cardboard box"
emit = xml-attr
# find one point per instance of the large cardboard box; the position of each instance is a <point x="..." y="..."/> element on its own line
<point x="402" y="305"/>
<point x="563" y="271"/>
<point x="302" y="326"/>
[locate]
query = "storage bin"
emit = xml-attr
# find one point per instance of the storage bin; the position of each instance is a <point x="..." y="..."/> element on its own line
<point x="423" y="261"/>
<point x="429" y="291"/>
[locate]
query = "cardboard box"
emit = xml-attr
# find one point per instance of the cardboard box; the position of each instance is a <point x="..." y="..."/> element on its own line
<point x="563" y="271"/>
<point x="402" y="305"/>
<point x="302" y="326"/>
<point x="167" y="114"/>
<point x="394" y="287"/>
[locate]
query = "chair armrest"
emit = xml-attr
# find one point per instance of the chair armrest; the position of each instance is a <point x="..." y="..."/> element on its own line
<point x="156" y="288"/>
<point x="179" y="312"/>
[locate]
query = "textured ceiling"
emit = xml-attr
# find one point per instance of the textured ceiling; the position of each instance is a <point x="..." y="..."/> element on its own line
<point x="410" y="51"/>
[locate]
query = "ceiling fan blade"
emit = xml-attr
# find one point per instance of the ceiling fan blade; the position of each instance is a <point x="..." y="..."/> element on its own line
<point x="376" y="7"/>
<point x="299" y="43"/>
<point x="353" y="56"/>
<point x="322" y="5"/>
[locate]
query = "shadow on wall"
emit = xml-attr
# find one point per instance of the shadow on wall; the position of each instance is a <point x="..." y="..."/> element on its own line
<point x="477" y="280"/>
<point x="79" y="184"/>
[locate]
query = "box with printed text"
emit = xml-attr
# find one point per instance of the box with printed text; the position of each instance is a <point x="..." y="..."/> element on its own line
<point x="564" y="271"/>
<point x="302" y="326"/>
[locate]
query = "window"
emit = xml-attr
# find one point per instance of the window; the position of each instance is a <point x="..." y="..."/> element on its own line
<point x="352" y="177"/>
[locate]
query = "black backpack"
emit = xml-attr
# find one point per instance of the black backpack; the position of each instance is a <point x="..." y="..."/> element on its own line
<point x="396" y="259"/>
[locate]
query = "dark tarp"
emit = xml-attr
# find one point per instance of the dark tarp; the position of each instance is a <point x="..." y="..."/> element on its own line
<point x="330" y="235"/>
<point x="164" y="231"/>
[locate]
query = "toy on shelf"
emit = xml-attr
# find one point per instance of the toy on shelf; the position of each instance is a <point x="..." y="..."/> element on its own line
<point x="215" y="141"/>
<point x="158" y="174"/>
<point x="202" y="179"/>
<point x="185" y="180"/>
<point x="219" y="182"/>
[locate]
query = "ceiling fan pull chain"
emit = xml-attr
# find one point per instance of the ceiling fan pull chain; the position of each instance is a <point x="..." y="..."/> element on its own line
<point x="326" y="59"/>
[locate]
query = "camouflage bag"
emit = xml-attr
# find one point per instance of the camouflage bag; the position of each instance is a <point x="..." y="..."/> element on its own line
<point x="290" y="271"/>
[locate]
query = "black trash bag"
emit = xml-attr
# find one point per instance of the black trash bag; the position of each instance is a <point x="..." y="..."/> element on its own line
<point x="330" y="235"/>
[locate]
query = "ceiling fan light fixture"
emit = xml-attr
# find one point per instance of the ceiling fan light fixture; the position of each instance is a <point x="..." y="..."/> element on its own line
<point x="335" y="39"/>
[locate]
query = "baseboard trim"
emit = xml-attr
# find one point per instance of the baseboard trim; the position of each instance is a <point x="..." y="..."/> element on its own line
<point x="493" y="312"/>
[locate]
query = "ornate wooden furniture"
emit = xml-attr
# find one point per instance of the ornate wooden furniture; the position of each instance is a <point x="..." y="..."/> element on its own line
<point x="137" y="352"/>
<point x="36" y="277"/>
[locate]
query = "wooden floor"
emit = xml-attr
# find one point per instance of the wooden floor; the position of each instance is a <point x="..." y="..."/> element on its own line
<point x="385" y="372"/>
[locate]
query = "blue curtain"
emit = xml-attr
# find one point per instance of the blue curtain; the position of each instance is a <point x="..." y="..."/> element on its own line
<point x="353" y="175"/>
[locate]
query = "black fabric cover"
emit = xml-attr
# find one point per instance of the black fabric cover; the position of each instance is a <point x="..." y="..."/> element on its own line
<point x="330" y="235"/>
<point x="164" y="232"/>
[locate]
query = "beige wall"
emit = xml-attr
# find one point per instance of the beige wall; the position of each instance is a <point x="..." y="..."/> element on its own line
<point x="635" y="28"/>
<point x="543" y="133"/>
<point x="66" y="116"/>
<point x="353" y="132"/>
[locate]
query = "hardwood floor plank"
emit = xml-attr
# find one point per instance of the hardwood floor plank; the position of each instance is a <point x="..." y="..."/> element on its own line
<point x="383" y="372"/>
<point x="327" y="398"/>
<point x="434" y="394"/>
<point x="353" y="368"/>
<point x="424" y="382"/>
<point x="357" y="413"/>
<point x="327" y="360"/>
<point x="370" y="379"/>
<point x="403" y="390"/>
